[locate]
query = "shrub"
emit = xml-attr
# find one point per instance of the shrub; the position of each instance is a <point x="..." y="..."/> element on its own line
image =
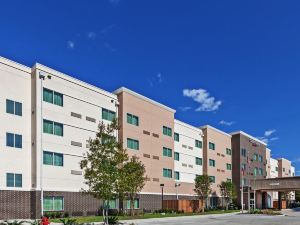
<point x="112" y="220"/>
<point x="68" y="221"/>
<point x="66" y="215"/>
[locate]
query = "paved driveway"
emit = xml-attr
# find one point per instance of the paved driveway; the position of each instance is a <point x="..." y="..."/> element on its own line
<point x="292" y="218"/>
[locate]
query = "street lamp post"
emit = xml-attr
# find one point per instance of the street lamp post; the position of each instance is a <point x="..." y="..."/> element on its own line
<point x="162" y="195"/>
<point x="42" y="77"/>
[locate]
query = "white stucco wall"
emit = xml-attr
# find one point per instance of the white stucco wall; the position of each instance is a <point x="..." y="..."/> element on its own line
<point x="15" y="85"/>
<point x="187" y="136"/>
<point x="80" y="98"/>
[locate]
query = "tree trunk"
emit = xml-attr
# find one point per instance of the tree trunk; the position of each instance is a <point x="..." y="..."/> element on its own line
<point x="202" y="202"/>
<point x="132" y="206"/>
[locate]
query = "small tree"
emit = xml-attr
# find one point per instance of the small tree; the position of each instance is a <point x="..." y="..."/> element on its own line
<point x="101" y="165"/>
<point x="227" y="190"/>
<point x="203" y="188"/>
<point x="133" y="179"/>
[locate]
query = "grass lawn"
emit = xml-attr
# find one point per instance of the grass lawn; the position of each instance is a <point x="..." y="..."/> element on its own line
<point x="92" y="219"/>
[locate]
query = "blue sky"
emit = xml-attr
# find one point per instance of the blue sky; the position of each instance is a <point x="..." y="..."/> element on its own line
<point x="231" y="64"/>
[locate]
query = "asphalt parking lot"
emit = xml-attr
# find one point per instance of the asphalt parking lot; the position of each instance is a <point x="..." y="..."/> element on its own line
<point x="290" y="218"/>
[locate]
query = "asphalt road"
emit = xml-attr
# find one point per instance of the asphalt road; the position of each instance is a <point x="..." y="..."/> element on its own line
<point x="290" y="218"/>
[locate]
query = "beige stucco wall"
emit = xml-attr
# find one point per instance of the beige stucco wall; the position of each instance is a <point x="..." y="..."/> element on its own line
<point x="221" y="141"/>
<point x="284" y="164"/>
<point x="152" y="118"/>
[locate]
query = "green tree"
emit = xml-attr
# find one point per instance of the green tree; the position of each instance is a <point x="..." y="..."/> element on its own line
<point x="228" y="192"/>
<point x="102" y="163"/>
<point x="132" y="178"/>
<point x="203" y="188"/>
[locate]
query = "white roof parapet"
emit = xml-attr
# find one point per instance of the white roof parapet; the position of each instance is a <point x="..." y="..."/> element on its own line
<point x="188" y="125"/>
<point x="74" y="80"/>
<point x="249" y="136"/>
<point x="215" y="129"/>
<point x="14" y="64"/>
<point x="124" y="89"/>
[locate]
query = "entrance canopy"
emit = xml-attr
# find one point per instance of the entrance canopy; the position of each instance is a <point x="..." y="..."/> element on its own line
<point x="276" y="184"/>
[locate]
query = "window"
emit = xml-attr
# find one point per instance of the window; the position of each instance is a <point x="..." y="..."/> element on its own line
<point x="243" y="181"/>
<point x="276" y="168"/>
<point x="260" y="158"/>
<point x="255" y="171"/>
<point x="136" y="204"/>
<point x="13" y="140"/>
<point x="53" y="159"/>
<point x="13" y="107"/>
<point x="243" y="167"/>
<point x="132" y="144"/>
<point x="228" y="151"/>
<point x="260" y="172"/>
<point x="244" y="152"/>
<point x="50" y="127"/>
<point x="53" y="97"/>
<point x="167" y="152"/>
<point x="212" y="163"/>
<point x="112" y="204"/>
<point x="198" y="144"/>
<point x="229" y="180"/>
<point x="176" y="156"/>
<point x="108" y="115"/>
<point x="131" y="119"/>
<point x="198" y="161"/>
<point x="167" y="131"/>
<point x="176" y="137"/>
<point x="283" y="169"/>
<point x="212" y="179"/>
<point x="211" y="146"/>
<point x="167" y="173"/>
<point x="177" y="175"/>
<point x="228" y="166"/>
<point x="13" y="180"/>
<point x="255" y="157"/>
<point x="53" y="203"/>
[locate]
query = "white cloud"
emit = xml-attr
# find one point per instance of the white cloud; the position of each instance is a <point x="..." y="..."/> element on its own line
<point x="157" y="79"/>
<point x="267" y="136"/>
<point x="226" y="123"/>
<point x="71" y="44"/>
<point x="185" y="108"/>
<point x="268" y="133"/>
<point x="207" y="103"/>
<point x="91" y="35"/>
<point x="296" y="160"/>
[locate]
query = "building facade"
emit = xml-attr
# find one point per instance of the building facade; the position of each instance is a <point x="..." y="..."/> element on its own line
<point x="47" y="118"/>
<point x="147" y="131"/>
<point x="249" y="158"/>
<point x="188" y="156"/>
<point x="217" y="160"/>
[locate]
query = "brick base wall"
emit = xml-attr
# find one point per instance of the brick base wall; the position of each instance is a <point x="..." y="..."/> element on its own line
<point x="27" y="204"/>
<point x="15" y="204"/>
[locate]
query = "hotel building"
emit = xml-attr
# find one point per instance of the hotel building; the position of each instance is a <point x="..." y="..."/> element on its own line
<point x="47" y="118"/>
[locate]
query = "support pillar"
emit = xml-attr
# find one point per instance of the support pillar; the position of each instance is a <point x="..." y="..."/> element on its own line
<point x="279" y="200"/>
